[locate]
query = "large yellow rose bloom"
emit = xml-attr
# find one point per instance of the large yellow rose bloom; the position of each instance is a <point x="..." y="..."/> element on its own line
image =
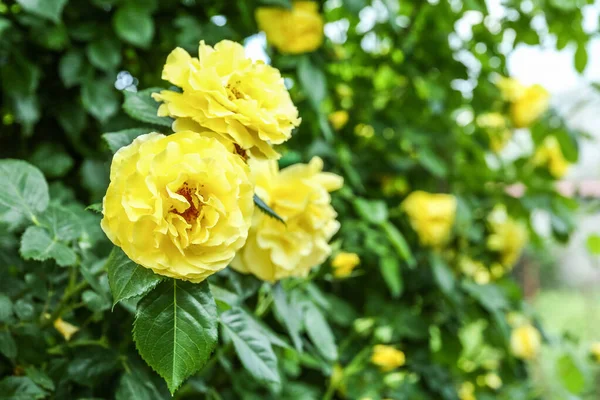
<point x="387" y="358"/>
<point x="180" y="205"/>
<point x="551" y="156"/>
<point x="244" y="101"/>
<point x="508" y="237"/>
<point x="295" y="31"/>
<point x="525" y="342"/>
<point x="300" y="195"/>
<point x="528" y="103"/>
<point x="431" y="216"/>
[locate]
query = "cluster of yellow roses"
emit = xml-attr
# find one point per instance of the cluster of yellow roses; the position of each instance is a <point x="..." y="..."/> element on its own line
<point x="183" y="205"/>
<point x="526" y="105"/>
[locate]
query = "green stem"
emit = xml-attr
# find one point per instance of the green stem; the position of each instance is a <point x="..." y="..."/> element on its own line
<point x="62" y="305"/>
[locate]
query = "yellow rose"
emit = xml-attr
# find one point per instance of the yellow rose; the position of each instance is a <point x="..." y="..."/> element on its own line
<point x="431" y="216"/>
<point x="299" y="30"/>
<point x="528" y="103"/>
<point x="180" y="205"/>
<point x="66" y="329"/>
<point x="387" y="358"/>
<point x="508" y="237"/>
<point x="338" y="119"/>
<point x="595" y="350"/>
<point x="244" y="101"/>
<point x="300" y="195"/>
<point x="551" y="156"/>
<point x="344" y="263"/>
<point x="495" y="125"/>
<point x="525" y="342"/>
<point x="467" y="391"/>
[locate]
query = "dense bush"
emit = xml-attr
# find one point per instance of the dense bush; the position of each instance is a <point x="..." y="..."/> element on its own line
<point x="416" y="300"/>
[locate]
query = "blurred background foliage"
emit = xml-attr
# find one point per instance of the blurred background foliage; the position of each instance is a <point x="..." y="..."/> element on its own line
<point x="412" y="88"/>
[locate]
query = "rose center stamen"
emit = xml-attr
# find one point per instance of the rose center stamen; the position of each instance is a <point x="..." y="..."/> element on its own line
<point x="192" y="212"/>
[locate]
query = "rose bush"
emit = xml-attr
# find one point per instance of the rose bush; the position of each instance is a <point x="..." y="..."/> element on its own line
<point x="354" y="182"/>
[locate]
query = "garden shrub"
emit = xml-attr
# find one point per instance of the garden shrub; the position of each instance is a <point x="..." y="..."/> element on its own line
<point x="377" y="262"/>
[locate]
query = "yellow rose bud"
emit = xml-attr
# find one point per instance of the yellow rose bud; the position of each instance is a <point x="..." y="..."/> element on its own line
<point x="344" y="263"/>
<point x="295" y="31"/>
<point x="180" y="205"/>
<point x="338" y="119"/>
<point x="387" y="358"/>
<point x="595" y="351"/>
<point x="493" y="381"/>
<point x="495" y="125"/>
<point x="508" y="237"/>
<point x="528" y="103"/>
<point x="300" y="195"/>
<point x="525" y="342"/>
<point x="66" y="329"/>
<point x="431" y="216"/>
<point x="244" y="101"/>
<point x="551" y="156"/>
<point x="467" y="391"/>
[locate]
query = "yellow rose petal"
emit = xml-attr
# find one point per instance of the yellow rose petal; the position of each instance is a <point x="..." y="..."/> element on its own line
<point x="66" y="329"/>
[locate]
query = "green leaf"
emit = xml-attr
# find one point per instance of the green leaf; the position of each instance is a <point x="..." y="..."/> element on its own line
<point x="131" y="388"/>
<point x="442" y="274"/>
<point x="49" y="9"/>
<point x="104" y="53"/>
<point x="61" y="223"/>
<point x="593" y="244"/>
<point x="288" y="314"/>
<point x="23" y="192"/>
<point x="319" y="332"/>
<point x="37" y="244"/>
<point x="8" y="347"/>
<point x="71" y="67"/>
<point x="116" y="140"/>
<point x="489" y="296"/>
<point x="264" y="207"/>
<point x="431" y="162"/>
<point x="373" y="211"/>
<point x="128" y="279"/>
<point x="399" y="243"/>
<point x="141" y="106"/>
<point x="570" y="374"/>
<point x="581" y="57"/>
<point x="6" y="308"/>
<point x="313" y="82"/>
<point x="20" y="388"/>
<point x="4" y="25"/>
<point x="278" y="3"/>
<point x="134" y="26"/>
<point x="251" y="345"/>
<point x="100" y="99"/>
<point x="39" y="377"/>
<point x="52" y="159"/>
<point x="390" y="270"/>
<point x="175" y="329"/>
<point x="96" y="207"/>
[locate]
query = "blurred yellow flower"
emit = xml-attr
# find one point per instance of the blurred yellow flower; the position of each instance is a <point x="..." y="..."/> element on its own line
<point x="66" y="329"/>
<point x="525" y="342"/>
<point x="299" y="30"/>
<point x="528" y="103"/>
<point x="387" y="358"/>
<point x="595" y="350"/>
<point x="300" y="195"/>
<point x="550" y="155"/>
<point x="508" y="237"/>
<point x="467" y="391"/>
<point x="244" y="101"/>
<point x="493" y="381"/>
<point x="431" y="216"/>
<point x="338" y="119"/>
<point x="495" y="125"/>
<point x="180" y="205"/>
<point x="344" y="263"/>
